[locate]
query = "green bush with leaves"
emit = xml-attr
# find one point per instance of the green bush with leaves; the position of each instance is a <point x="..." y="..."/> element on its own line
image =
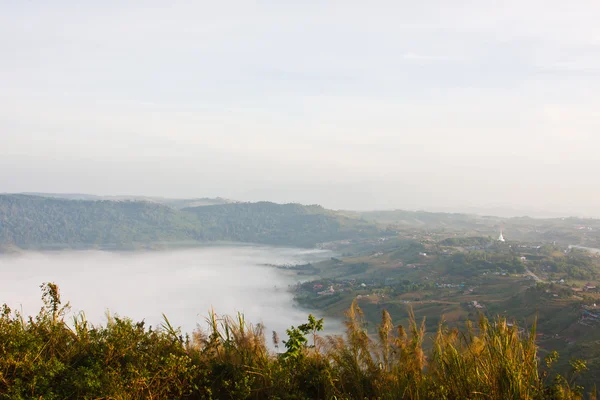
<point x="48" y="357"/>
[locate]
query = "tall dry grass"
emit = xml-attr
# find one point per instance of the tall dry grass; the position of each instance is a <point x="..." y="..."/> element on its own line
<point x="44" y="357"/>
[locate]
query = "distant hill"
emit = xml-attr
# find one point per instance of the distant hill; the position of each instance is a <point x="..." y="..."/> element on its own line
<point x="34" y="222"/>
<point x="431" y="220"/>
<point x="564" y="231"/>
<point x="177" y="203"/>
<point x="199" y="202"/>
<point x="41" y="222"/>
<point x="280" y="224"/>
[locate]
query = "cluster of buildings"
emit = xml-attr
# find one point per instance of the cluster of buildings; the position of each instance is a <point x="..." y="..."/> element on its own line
<point x="449" y="285"/>
<point x="590" y="316"/>
<point x="476" y="304"/>
<point x="588" y="287"/>
<point x="328" y="292"/>
<point x="330" y="289"/>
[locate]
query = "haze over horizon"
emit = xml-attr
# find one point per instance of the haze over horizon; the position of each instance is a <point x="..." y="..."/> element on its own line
<point x="434" y="105"/>
<point x="506" y="211"/>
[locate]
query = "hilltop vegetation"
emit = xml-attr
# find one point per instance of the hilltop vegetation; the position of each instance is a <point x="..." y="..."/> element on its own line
<point x="37" y="222"/>
<point x="44" y="357"/>
<point x="279" y="224"/>
<point x="84" y="221"/>
<point x="175" y="203"/>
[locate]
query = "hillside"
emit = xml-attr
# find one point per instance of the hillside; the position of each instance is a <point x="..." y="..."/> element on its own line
<point x="459" y="278"/>
<point x="38" y="222"/>
<point x="278" y="224"/>
<point x="564" y="231"/>
<point x="175" y="203"/>
<point x="34" y="222"/>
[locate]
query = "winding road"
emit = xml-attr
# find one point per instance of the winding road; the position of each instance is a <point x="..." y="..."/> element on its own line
<point x="535" y="277"/>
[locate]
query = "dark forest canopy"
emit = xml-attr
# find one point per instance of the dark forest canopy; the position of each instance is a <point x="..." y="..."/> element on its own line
<point x="39" y="222"/>
<point x="120" y="222"/>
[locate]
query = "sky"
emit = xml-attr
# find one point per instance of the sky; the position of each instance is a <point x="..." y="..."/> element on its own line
<point x="434" y="104"/>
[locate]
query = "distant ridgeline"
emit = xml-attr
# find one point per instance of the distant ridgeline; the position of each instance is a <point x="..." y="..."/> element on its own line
<point x="36" y="222"/>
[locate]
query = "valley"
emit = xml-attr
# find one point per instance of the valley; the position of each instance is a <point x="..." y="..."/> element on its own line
<point x="446" y="268"/>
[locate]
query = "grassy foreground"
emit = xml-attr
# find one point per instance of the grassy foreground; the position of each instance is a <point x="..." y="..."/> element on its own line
<point x="46" y="357"/>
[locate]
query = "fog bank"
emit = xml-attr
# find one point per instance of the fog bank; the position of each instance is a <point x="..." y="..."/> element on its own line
<point x="182" y="284"/>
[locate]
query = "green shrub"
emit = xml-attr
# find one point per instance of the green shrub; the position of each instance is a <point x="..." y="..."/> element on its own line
<point x="46" y="357"/>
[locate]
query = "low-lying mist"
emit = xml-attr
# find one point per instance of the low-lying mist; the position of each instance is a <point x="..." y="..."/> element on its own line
<point x="182" y="284"/>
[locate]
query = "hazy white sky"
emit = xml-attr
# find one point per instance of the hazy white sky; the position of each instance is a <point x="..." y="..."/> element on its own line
<point x="349" y="104"/>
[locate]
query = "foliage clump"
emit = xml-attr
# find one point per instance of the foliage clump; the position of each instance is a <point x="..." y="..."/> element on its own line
<point x="49" y="357"/>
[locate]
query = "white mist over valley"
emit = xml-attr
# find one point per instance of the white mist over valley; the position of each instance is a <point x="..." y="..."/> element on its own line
<point x="182" y="284"/>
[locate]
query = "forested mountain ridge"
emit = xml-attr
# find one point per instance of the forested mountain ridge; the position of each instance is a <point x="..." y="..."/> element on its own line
<point x="172" y="202"/>
<point x="33" y="222"/>
<point x="39" y="222"/>
<point x="279" y="224"/>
